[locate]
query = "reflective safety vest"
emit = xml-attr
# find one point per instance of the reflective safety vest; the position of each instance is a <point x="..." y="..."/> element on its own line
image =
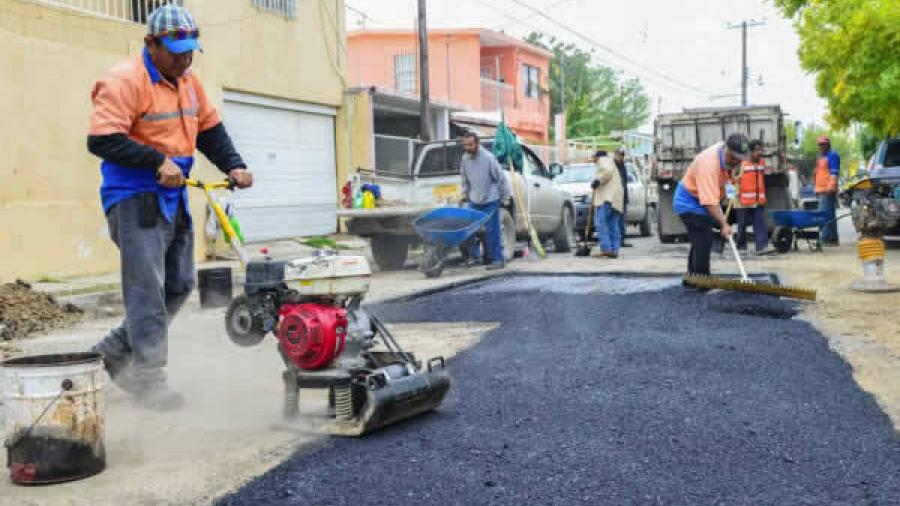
<point x="826" y="182"/>
<point x="753" y="184"/>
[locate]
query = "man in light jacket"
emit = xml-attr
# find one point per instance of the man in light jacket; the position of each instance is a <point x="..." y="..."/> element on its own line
<point x="609" y="198"/>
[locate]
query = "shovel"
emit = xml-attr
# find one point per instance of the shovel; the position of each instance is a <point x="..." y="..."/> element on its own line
<point x="585" y="248"/>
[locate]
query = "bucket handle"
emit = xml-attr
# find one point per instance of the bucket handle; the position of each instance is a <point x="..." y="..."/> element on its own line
<point x="66" y="386"/>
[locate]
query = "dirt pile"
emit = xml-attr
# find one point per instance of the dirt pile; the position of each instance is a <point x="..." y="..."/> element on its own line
<point x="24" y="311"/>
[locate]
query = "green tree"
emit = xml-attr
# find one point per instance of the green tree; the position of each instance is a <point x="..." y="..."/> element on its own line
<point x="853" y="46"/>
<point x="597" y="98"/>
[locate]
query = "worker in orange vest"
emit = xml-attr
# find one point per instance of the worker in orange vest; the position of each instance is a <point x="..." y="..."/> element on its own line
<point x="828" y="165"/>
<point x="750" y="206"/>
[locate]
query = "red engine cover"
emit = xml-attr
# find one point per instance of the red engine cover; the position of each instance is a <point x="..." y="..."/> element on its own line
<point x="312" y="335"/>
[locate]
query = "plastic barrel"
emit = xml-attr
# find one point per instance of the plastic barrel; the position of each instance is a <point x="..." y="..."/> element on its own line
<point x="53" y="411"/>
<point x="215" y="287"/>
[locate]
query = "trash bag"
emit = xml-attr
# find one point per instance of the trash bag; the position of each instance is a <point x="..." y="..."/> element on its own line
<point x="506" y="147"/>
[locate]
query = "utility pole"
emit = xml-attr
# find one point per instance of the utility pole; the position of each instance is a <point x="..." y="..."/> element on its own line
<point x="424" y="95"/>
<point x="745" y="69"/>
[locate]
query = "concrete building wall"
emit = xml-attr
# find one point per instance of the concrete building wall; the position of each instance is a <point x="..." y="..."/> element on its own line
<point x="51" y="223"/>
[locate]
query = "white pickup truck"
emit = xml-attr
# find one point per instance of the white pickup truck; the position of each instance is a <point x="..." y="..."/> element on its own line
<point x="434" y="180"/>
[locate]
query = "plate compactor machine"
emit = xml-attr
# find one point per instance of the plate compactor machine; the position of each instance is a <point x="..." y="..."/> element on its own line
<point x="327" y="341"/>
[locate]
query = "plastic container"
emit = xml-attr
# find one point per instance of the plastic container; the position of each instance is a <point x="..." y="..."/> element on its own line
<point x="215" y="287"/>
<point x="53" y="412"/>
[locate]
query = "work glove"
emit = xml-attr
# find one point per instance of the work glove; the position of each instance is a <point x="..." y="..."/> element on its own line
<point x="595" y="184"/>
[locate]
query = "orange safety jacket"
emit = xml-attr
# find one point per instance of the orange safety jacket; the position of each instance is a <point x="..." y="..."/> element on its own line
<point x="827" y="168"/>
<point x="753" y="184"/>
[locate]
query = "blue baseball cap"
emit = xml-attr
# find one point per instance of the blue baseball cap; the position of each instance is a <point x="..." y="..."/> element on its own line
<point x="175" y="27"/>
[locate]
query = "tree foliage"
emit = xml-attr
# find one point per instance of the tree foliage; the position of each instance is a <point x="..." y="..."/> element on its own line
<point x="853" y="46"/>
<point x="597" y="99"/>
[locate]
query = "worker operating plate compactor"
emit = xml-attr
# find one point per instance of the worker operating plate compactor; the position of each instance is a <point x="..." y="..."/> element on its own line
<point x="327" y="340"/>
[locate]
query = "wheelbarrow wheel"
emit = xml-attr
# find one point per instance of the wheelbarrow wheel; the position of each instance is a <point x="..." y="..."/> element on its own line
<point x="432" y="263"/>
<point x="782" y="238"/>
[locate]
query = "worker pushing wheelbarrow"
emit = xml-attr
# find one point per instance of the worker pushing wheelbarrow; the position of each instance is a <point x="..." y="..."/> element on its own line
<point x="443" y="229"/>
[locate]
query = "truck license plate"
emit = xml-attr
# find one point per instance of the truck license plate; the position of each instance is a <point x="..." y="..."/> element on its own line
<point x="446" y="194"/>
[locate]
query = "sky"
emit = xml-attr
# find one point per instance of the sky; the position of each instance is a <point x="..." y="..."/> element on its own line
<point x="682" y="50"/>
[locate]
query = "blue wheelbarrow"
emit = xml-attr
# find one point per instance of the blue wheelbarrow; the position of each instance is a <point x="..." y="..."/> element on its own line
<point x="443" y="229"/>
<point x="792" y="226"/>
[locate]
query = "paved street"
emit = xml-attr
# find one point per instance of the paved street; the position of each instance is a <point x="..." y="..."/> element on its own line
<point x="610" y="391"/>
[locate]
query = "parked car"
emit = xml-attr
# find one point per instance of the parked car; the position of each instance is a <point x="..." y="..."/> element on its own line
<point x="433" y="180"/>
<point x="875" y="198"/>
<point x="576" y="178"/>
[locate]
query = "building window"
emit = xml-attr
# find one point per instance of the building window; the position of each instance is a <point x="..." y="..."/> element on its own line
<point x="405" y="72"/>
<point x="125" y="10"/>
<point x="531" y="78"/>
<point x="287" y="8"/>
<point x="141" y="9"/>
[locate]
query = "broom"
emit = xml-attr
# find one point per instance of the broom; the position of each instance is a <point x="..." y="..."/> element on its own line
<point x="535" y="240"/>
<point x="585" y="248"/>
<point x="745" y="284"/>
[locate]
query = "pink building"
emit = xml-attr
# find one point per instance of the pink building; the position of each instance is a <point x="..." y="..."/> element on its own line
<point x="477" y="69"/>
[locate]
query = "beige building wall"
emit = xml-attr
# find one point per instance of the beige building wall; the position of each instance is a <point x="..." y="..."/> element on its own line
<point x="51" y="222"/>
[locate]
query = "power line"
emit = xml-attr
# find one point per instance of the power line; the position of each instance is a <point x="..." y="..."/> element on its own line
<point x="510" y="19"/>
<point x="594" y="43"/>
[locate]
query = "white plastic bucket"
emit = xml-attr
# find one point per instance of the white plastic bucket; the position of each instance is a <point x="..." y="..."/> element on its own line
<point x="53" y="417"/>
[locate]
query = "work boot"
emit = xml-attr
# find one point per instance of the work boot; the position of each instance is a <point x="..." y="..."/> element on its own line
<point x="159" y="398"/>
<point x="496" y="266"/>
<point x="473" y="262"/>
<point x="768" y="250"/>
<point x="118" y="372"/>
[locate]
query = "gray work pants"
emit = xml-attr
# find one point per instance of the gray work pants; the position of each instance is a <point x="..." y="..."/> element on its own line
<point x="157" y="277"/>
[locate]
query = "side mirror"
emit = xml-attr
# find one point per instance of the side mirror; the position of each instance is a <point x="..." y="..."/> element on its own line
<point x="555" y="169"/>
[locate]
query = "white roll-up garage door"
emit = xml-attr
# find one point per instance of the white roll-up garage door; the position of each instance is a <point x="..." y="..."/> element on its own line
<point x="289" y="147"/>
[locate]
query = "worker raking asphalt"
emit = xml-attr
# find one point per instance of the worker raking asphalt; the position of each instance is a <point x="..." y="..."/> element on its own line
<point x="648" y="397"/>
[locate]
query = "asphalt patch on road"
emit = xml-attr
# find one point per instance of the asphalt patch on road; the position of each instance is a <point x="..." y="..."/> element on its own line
<point x="653" y="397"/>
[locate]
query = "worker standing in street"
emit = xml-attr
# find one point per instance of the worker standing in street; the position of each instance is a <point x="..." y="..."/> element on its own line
<point x="828" y="166"/>
<point x="699" y="195"/>
<point x="750" y="205"/>
<point x="608" y="205"/>
<point x="149" y="115"/>
<point x="484" y="188"/>
<point x="619" y="158"/>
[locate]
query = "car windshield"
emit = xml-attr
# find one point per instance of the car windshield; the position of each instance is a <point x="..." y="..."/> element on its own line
<point x="892" y="153"/>
<point x="579" y="173"/>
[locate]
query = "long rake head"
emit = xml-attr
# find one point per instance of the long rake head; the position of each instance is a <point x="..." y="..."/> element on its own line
<point x="703" y="281"/>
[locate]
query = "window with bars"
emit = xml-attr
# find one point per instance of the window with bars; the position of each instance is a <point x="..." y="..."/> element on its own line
<point x="531" y="79"/>
<point x="287" y="8"/>
<point x="405" y="72"/>
<point x="126" y="10"/>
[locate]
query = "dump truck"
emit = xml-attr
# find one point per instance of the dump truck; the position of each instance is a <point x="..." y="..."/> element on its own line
<point x="679" y="137"/>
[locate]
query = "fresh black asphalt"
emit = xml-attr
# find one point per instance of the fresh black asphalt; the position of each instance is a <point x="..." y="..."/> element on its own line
<point x="658" y="397"/>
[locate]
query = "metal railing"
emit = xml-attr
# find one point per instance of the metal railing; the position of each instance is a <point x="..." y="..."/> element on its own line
<point x="135" y="11"/>
<point x="494" y="93"/>
<point x="287" y="8"/>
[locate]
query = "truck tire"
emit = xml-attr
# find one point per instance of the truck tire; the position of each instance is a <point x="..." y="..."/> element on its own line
<point x="646" y="228"/>
<point x="507" y="234"/>
<point x="390" y="251"/>
<point x="564" y="235"/>
<point x="665" y="239"/>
